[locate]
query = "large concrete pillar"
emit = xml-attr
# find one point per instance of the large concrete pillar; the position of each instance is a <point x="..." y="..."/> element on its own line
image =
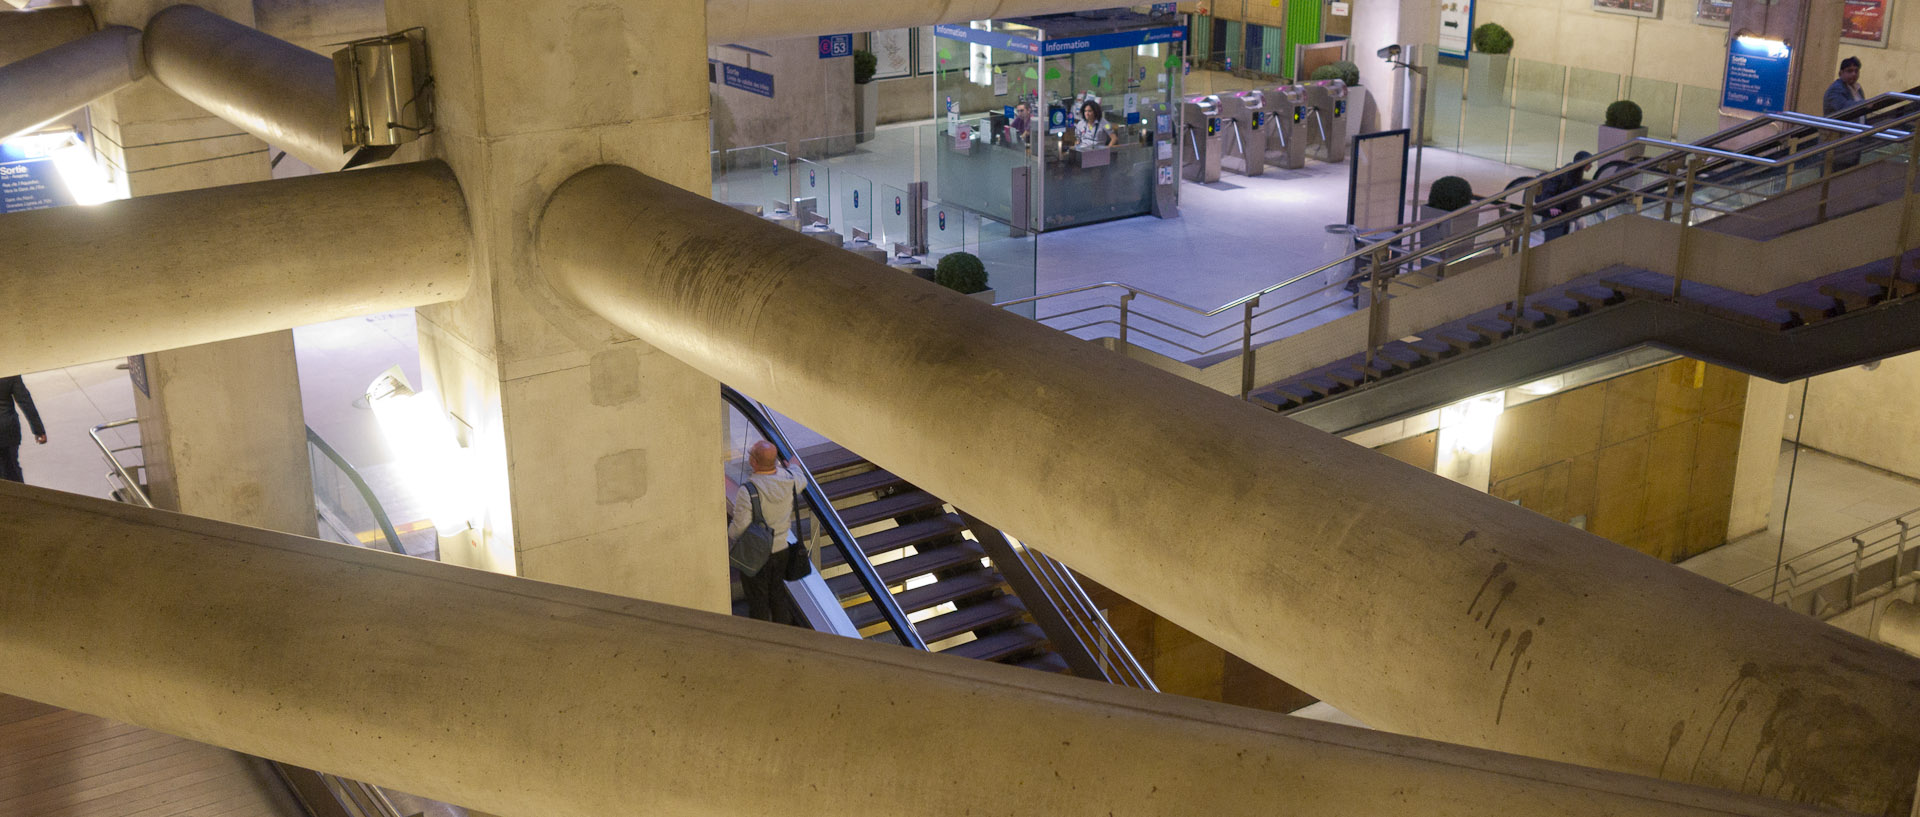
<point x="65" y="78"/>
<point x="1413" y="603"/>
<point x="25" y="33"/>
<point x="555" y="702"/>
<point x="597" y="454"/>
<point x="1811" y="28"/>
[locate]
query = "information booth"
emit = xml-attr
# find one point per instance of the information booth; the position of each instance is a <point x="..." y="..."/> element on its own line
<point x="1011" y="90"/>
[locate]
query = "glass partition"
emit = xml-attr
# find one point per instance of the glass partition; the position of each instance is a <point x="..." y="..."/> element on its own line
<point x="1657" y="101"/>
<point x="893" y="217"/>
<point x="853" y="211"/>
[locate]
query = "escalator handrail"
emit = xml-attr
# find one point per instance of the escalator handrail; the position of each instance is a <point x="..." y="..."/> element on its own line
<point x="829" y="518"/>
<point x="360" y="485"/>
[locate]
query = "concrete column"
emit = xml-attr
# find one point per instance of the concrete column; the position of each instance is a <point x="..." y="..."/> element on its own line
<point x="1415" y="604"/>
<point x="290" y="252"/>
<point x="614" y="483"/>
<point x="576" y="704"/>
<point x="1811" y="28"/>
<point x="1759" y="459"/>
<point x="63" y="79"/>
<point x="26" y="33"/>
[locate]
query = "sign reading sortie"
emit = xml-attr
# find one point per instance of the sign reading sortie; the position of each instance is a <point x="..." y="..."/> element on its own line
<point x="1756" y="77"/>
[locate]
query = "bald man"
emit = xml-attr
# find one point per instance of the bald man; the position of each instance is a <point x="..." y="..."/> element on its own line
<point x="779" y="500"/>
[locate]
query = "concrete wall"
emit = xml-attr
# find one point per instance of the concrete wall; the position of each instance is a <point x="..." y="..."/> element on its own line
<point x="1861" y="414"/>
<point x="1182" y="663"/>
<point x="813" y="97"/>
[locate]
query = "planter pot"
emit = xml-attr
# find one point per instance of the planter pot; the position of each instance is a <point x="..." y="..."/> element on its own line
<point x="866" y="110"/>
<point x="1445" y="230"/>
<point x="1610" y="137"/>
<point x="985" y="295"/>
<point x="1487" y="79"/>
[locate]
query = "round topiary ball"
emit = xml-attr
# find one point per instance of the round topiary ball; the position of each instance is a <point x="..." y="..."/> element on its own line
<point x="864" y="64"/>
<point x="1343" y="70"/>
<point x="1624" y="115"/>
<point x="1449" y="193"/>
<point x="1492" y="38"/>
<point x="961" y="272"/>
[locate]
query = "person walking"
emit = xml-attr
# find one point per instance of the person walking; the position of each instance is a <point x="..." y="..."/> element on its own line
<point x="1559" y="184"/>
<point x="1845" y="90"/>
<point x="14" y="400"/>
<point x="779" y="492"/>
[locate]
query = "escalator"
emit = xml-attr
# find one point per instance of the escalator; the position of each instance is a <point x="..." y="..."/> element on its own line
<point x="1776" y="259"/>
<point x="897" y="564"/>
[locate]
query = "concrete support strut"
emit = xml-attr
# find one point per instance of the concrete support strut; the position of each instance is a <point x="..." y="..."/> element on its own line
<point x="268" y="87"/>
<point x="1418" y="605"/>
<point x="59" y="80"/>
<point x="567" y="703"/>
<point x="26" y="33"/>
<point x="134" y="276"/>
<point x="745" y="21"/>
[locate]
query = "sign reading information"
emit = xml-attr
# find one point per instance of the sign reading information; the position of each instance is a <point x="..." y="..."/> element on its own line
<point x="1756" y="77"/>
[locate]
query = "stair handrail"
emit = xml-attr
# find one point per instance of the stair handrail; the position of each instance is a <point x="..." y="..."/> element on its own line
<point x="360" y="485"/>
<point x="1844" y="559"/>
<point x="829" y="518"/>
<point x="1065" y="592"/>
<point x="1393" y="255"/>
<point x="133" y="488"/>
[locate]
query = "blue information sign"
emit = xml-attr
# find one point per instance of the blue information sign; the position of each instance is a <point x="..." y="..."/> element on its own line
<point x="1070" y="45"/>
<point x="31" y="184"/>
<point x="1756" y="77"/>
<point x="836" y="45"/>
<point x="746" y="79"/>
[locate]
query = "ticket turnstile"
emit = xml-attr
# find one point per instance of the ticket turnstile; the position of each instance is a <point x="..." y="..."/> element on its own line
<point x="1200" y="133"/>
<point x="1163" y="135"/>
<point x="1295" y="123"/>
<point x="1244" y="113"/>
<point x="1329" y="97"/>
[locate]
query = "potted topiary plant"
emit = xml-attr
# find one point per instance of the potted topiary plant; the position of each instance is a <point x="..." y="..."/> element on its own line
<point x="962" y="272"/>
<point x="1448" y="193"/>
<point x="1487" y="65"/>
<point x="866" y="95"/>
<point x="1623" y="126"/>
<point x="1348" y="73"/>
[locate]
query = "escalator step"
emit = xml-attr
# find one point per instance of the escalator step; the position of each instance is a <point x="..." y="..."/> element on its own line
<point x="969" y="618"/>
<point x="958" y="553"/>
<point x="1460" y="341"/>
<point x="1901" y="287"/>
<point x="1432" y="349"/>
<point x="867" y="483"/>
<point x="1810" y="308"/>
<point x="945" y="590"/>
<point x="912" y="533"/>
<point x="1561" y="308"/>
<point x="1854" y="296"/>
<point x="1001" y="644"/>
<point x="1492" y="329"/>
<point x="1347" y="376"/>
<point x="1321" y="386"/>
<point x="1594" y="298"/>
<point x="888" y="507"/>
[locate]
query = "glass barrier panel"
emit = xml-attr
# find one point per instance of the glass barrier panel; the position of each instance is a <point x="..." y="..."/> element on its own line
<point x="1446" y="103"/>
<point x="853" y="211"/>
<point x="893" y="203"/>
<point x="1657" y="101"/>
<point x="813" y="192"/>
<point x="1487" y="119"/>
<point x="977" y="173"/>
<point x="1699" y="113"/>
<point x="1011" y="257"/>
<point x="1536" y="141"/>
<point x="1589" y="93"/>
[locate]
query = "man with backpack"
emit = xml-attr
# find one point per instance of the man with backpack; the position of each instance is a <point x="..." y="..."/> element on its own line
<point x="764" y="508"/>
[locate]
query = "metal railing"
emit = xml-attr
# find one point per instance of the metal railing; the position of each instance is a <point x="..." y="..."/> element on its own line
<point x="1833" y="578"/>
<point x="341" y="517"/>
<point x="123" y="482"/>
<point x="1090" y="626"/>
<point x="1687" y="184"/>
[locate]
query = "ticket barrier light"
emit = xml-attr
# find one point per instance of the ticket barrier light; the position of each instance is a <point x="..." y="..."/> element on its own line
<point x="1200" y="130"/>
<point x="1244" y="113"/>
<point x="1294" y="122"/>
<point x="1329" y="97"/>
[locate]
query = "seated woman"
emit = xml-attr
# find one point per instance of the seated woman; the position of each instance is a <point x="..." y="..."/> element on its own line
<point x="1090" y="130"/>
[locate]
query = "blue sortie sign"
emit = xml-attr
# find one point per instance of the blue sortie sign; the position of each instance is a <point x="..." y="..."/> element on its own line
<point x="31" y="184"/>
<point x="836" y="45"/>
<point x="1756" y="78"/>
<point x="747" y="79"/>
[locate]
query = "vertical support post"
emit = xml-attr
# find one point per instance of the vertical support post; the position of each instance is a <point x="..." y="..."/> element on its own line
<point x="1376" y="308"/>
<point x="1246" y="346"/>
<point x="1826" y="185"/>
<point x="1522" y="249"/>
<point x="1126" y="304"/>
<point x="917" y="218"/>
<point x="1686" y="224"/>
<point x="1022" y="190"/>
<point x="1904" y="237"/>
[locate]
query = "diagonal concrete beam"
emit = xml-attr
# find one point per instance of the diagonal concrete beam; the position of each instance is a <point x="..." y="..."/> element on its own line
<point x="1417" y="604"/>
<point x="745" y="21"/>
<point x="268" y="87"/>
<point x="26" y="33"/>
<point x="160" y="272"/>
<point x="62" y="79"/>
<point x="523" y="698"/>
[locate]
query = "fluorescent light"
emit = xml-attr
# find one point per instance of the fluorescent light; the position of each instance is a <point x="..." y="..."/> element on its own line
<point x="437" y="469"/>
<point x="1774" y="48"/>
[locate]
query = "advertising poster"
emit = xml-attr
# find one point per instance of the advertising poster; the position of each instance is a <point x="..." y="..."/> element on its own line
<point x="1864" y="22"/>
<point x="1456" y="27"/>
<point x="1638" y="8"/>
<point x="1713" y="12"/>
<point x="893" y="53"/>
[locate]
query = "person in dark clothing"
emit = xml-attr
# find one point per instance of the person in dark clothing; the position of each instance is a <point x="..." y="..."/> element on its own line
<point x="1561" y="183"/>
<point x="1845" y="91"/>
<point x="14" y="394"/>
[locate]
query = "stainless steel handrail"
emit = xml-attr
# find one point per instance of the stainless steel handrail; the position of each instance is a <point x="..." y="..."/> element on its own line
<point x="1680" y="169"/>
<point x="1065" y="592"/>
<point x="1845" y="559"/>
<point x="127" y="482"/>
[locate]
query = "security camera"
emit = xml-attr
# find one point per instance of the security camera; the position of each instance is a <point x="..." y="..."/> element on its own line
<point x="1389" y="52"/>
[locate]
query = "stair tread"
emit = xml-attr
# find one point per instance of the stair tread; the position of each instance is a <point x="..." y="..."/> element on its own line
<point x="828" y="457"/>
<point x="1001" y="644"/>
<point x="863" y="483"/>
<point x="921" y="598"/>
<point x="969" y="618"/>
<point x="956" y="553"/>
<point x="912" y="533"/>
<point x="1046" y="662"/>
<point x="888" y="507"/>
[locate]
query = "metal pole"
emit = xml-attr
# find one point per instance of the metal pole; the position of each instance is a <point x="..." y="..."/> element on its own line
<point x="1126" y="302"/>
<point x="1246" y="348"/>
<point x="1419" y="135"/>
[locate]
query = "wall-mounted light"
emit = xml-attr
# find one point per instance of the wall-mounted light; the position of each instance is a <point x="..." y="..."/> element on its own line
<point x="1771" y="47"/>
<point x="437" y="469"/>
